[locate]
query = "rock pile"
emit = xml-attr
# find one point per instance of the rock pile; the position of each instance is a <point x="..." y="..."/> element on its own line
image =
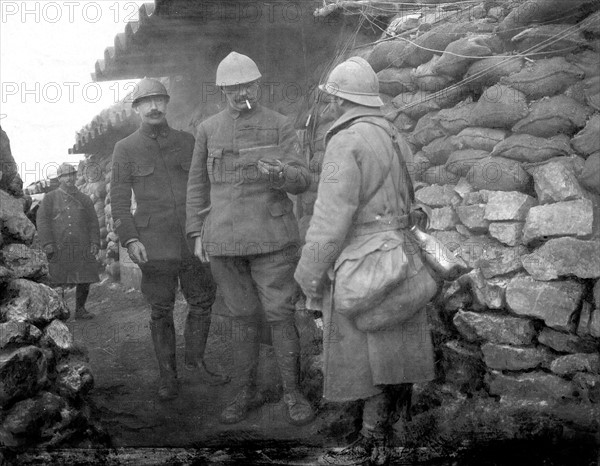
<point x="44" y="377"/>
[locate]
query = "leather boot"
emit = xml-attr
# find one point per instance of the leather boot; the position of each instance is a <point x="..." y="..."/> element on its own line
<point x="82" y="291"/>
<point x="287" y="350"/>
<point x="195" y="334"/>
<point x="245" y="358"/>
<point x="163" y="337"/>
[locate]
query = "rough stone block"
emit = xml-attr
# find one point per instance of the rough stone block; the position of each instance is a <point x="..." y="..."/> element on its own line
<point x="58" y="334"/>
<point x="553" y="302"/>
<point x="32" y="302"/>
<point x="532" y="385"/>
<point x="500" y="260"/>
<point x="24" y="262"/>
<point x="22" y="373"/>
<point x="514" y="358"/>
<point x="585" y="318"/>
<point x="444" y="218"/>
<point x="30" y="416"/>
<point x="588" y="386"/>
<point x="508" y="233"/>
<point x="462" y="366"/>
<point x="18" y="333"/>
<point x="475" y="327"/>
<point x="566" y="342"/>
<point x="554" y="183"/>
<point x="74" y="378"/>
<point x="472" y="198"/>
<point x="437" y="196"/>
<point x="571" y="218"/>
<point x="507" y="205"/>
<point x="564" y="256"/>
<point x="472" y="217"/>
<point x="15" y="224"/>
<point x="572" y="363"/>
<point x="486" y="294"/>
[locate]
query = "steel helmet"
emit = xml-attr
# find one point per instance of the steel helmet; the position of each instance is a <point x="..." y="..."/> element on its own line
<point x="236" y="69"/>
<point x="65" y="169"/>
<point x="147" y="88"/>
<point x="354" y="80"/>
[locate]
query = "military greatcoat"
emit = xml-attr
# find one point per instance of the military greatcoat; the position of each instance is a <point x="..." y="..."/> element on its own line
<point x="358" y="363"/>
<point x="66" y="218"/>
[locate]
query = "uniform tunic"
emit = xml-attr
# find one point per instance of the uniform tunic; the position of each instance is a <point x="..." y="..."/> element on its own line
<point x="67" y="219"/>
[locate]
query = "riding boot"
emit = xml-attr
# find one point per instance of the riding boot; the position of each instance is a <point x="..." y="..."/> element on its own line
<point x="196" y="330"/>
<point x="82" y="291"/>
<point x="245" y="359"/>
<point x="163" y="337"/>
<point x="287" y="349"/>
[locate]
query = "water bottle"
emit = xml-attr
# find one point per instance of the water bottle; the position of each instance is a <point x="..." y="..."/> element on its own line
<point x="446" y="263"/>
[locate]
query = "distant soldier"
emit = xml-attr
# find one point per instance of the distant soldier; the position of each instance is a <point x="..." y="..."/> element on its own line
<point x="70" y="235"/>
<point x="246" y="161"/>
<point x="153" y="163"/>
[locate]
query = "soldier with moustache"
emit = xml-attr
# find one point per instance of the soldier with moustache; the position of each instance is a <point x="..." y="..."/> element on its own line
<point x="154" y="164"/>
<point x="246" y="161"/>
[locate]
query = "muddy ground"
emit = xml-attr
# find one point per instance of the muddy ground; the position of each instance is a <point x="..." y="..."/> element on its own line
<point x="123" y="362"/>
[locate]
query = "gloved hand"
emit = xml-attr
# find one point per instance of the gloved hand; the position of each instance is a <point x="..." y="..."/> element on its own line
<point x="50" y="250"/>
<point x="137" y="252"/>
<point x="94" y="249"/>
<point x="199" y="251"/>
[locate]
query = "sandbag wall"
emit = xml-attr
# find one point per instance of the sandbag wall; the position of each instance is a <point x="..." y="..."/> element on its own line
<point x="94" y="181"/>
<point x="44" y="376"/>
<point x="500" y="103"/>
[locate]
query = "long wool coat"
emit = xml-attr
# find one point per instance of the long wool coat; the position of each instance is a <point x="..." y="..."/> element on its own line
<point x="357" y="363"/>
<point x="67" y="219"/>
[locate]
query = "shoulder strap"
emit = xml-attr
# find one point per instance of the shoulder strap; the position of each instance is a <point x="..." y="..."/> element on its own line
<point x="393" y="134"/>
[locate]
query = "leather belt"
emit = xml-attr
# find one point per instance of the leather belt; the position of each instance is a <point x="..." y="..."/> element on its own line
<point x="383" y="224"/>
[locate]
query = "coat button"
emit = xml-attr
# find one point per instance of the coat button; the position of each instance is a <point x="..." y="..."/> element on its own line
<point x="377" y="217"/>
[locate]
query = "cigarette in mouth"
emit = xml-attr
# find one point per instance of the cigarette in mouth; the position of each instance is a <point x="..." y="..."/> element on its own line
<point x="248" y="105"/>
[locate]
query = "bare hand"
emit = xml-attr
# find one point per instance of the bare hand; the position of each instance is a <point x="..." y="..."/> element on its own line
<point x="137" y="252"/>
<point x="50" y="250"/>
<point x="94" y="249"/>
<point x="199" y="250"/>
<point x="272" y="170"/>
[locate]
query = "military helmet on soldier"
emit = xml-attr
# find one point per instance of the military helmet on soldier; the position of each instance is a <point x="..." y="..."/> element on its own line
<point x="236" y="69"/>
<point x="354" y="80"/>
<point x="65" y="169"/>
<point x="148" y="87"/>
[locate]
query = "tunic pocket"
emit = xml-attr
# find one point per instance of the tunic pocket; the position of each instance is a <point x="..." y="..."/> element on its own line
<point x="214" y="164"/>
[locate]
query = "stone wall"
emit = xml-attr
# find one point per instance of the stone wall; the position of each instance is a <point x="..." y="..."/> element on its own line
<point x="44" y="377"/>
<point x="503" y="120"/>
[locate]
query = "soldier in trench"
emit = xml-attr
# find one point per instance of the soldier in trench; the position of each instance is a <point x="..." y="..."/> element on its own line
<point x="367" y="198"/>
<point x="154" y="163"/>
<point x="246" y="159"/>
<point x="70" y="235"/>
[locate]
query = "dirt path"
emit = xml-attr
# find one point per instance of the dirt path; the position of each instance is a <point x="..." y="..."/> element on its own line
<point x="125" y="371"/>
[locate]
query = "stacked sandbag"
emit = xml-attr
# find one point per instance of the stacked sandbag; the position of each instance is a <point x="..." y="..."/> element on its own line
<point x="96" y="172"/>
<point x="507" y="156"/>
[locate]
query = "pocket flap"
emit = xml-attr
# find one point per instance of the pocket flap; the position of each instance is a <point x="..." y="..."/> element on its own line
<point x="216" y="153"/>
<point x="382" y="241"/>
<point x="141" y="220"/>
<point x="143" y="170"/>
<point x="267" y="153"/>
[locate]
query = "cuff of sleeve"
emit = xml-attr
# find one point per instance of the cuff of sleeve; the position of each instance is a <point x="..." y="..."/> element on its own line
<point x="129" y="241"/>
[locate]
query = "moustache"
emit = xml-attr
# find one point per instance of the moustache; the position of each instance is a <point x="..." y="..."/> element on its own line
<point x="154" y="114"/>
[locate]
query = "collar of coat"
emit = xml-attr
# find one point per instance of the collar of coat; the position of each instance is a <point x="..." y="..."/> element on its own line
<point x="347" y="118"/>
<point x="153" y="131"/>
